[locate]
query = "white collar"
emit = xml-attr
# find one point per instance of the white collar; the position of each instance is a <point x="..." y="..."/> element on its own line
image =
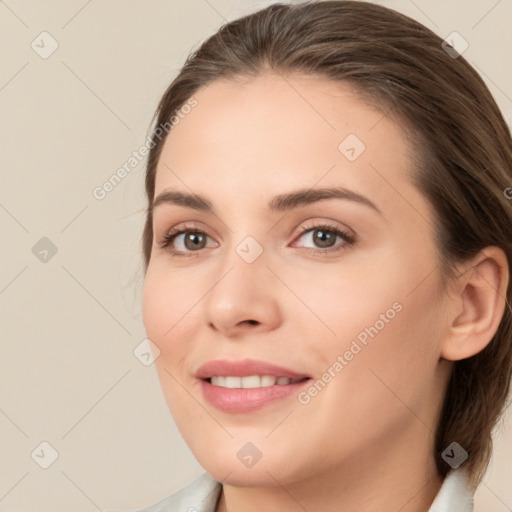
<point x="455" y="495"/>
<point x="202" y="495"/>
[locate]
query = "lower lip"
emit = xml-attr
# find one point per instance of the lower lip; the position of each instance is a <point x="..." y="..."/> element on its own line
<point x="247" y="399"/>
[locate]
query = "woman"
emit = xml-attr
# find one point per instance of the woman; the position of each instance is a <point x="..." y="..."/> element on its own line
<point x="327" y="251"/>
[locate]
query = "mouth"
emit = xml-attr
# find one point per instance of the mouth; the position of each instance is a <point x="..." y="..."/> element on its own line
<point x="251" y="381"/>
<point x="247" y="385"/>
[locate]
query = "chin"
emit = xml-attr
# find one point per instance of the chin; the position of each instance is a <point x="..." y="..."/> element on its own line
<point x="245" y="477"/>
<point x="238" y="463"/>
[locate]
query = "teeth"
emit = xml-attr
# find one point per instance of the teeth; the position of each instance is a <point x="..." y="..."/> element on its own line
<point x="232" y="382"/>
<point x="219" y="381"/>
<point x="267" y="380"/>
<point x="252" y="381"/>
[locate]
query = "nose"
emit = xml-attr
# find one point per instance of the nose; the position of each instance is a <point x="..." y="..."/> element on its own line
<point x="244" y="299"/>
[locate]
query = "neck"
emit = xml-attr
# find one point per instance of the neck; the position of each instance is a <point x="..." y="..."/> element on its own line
<point x="394" y="479"/>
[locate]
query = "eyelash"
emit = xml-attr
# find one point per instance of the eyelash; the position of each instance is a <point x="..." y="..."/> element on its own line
<point x="348" y="239"/>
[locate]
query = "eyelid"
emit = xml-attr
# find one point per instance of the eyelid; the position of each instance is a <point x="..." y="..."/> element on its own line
<point x="326" y="224"/>
<point x="347" y="235"/>
<point x="180" y="229"/>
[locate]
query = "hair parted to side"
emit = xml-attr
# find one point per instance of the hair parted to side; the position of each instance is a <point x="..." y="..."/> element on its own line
<point x="463" y="150"/>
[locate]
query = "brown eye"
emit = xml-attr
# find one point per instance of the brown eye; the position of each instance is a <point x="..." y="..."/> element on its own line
<point x="328" y="238"/>
<point x="186" y="240"/>
<point x="323" y="238"/>
<point x="194" y="240"/>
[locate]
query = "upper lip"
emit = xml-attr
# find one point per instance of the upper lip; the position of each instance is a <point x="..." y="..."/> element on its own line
<point x="245" y="368"/>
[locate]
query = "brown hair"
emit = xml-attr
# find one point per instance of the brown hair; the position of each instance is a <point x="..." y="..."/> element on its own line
<point x="463" y="153"/>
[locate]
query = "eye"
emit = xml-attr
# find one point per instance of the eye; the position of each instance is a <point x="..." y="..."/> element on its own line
<point x="185" y="240"/>
<point x="324" y="237"/>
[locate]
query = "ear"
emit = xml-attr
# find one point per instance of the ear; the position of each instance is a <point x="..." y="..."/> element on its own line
<point x="477" y="305"/>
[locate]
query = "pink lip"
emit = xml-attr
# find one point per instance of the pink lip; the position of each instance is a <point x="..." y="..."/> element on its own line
<point x="244" y="368"/>
<point x="246" y="399"/>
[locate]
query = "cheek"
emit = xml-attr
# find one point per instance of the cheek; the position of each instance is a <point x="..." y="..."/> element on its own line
<point x="383" y="389"/>
<point x="350" y="296"/>
<point x="390" y="354"/>
<point x="164" y="308"/>
<point x="168" y="308"/>
<point x="378" y="319"/>
<point x="155" y="315"/>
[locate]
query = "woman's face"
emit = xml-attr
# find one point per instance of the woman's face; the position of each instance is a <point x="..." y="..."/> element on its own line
<point x="261" y="280"/>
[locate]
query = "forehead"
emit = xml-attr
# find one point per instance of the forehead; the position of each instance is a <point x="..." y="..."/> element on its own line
<point x="275" y="132"/>
<point x="272" y="107"/>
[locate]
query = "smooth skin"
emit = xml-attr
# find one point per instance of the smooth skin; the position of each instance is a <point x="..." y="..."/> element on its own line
<point x="364" y="443"/>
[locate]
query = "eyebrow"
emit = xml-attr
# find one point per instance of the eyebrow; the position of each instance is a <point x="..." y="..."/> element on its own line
<point x="279" y="203"/>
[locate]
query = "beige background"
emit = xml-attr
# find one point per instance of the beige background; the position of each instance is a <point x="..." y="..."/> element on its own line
<point x="69" y="326"/>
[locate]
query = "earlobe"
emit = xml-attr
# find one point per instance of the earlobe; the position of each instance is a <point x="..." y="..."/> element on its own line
<point x="479" y="302"/>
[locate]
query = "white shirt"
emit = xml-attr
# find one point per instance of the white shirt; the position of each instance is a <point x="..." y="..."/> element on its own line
<point x="202" y="495"/>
